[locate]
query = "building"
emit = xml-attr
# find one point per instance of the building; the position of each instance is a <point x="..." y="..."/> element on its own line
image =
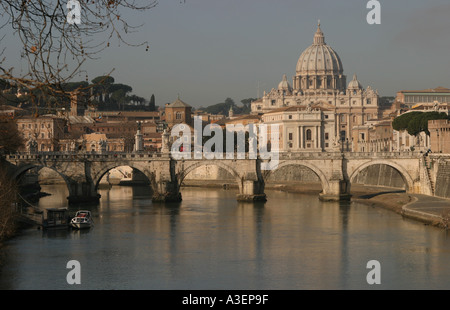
<point x="93" y="143"/>
<point x="152" y="139"/>
<point x="375" y="136"/>
<point x="11" y="111"/>
<point x="404" y="142"/>
<point x="439" y="135"/>
<point x="42" y="133"/>
<point x="127" y="116"/>
<point x="426" y="96"/>
<point x="308" y="129"/>
<point x="178" y="112"/>
<point x="320" y="81"/>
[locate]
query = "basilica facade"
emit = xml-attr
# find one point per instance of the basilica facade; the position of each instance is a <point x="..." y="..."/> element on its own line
<point x="320" y="82"/>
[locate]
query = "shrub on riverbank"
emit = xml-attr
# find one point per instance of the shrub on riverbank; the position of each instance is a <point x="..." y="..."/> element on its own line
<point x="8" y="212"/>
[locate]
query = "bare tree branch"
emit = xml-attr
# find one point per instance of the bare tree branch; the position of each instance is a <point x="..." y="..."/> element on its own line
<point x="55" y="49"/>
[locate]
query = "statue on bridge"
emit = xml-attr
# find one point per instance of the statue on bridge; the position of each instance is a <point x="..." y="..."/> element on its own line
<point x="103" y="144"/>
<point x="32" y="145"/>
<point x="165" y="142"/>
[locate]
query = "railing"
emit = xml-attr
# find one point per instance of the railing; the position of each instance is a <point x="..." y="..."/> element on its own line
<point x="71" y="156"/>
<point x="81" y="155"/>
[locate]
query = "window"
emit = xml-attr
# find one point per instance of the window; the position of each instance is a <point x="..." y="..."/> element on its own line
<point x="42" y="135"/>
<point x="273" y="102"/>
<point x="308" y="135"/>
<point x="362" y="137"/>
<point x="178" y="115"/>
<point x="290" y="136"/>
<point x="326" y="136"/>
<point x="369" y="101"/>
<point x="290" y="116"/>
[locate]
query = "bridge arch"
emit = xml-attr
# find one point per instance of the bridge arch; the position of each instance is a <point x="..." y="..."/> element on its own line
<point x="21" y="170"/>
<point x="186" y="170"/>
<point x="97" y="177"/>
<point x="407" y="179"/>
<point x="323" y="179"/>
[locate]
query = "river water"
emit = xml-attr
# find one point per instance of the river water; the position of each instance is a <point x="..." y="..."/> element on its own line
<point x="210" y="241"/>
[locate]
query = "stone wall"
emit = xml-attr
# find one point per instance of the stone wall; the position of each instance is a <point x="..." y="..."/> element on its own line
<point x="380" y="175"/>
<point x="443" y="180"/>
<point x="209" y="175"/>
<point x="294" y="173"/>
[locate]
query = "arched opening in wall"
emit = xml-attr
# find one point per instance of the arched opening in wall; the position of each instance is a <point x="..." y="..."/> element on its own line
<point x="379" y="176"/>
<point x="123" y="176"/>
<point x="295" y="177"/>
<point x="43" y="188"/>
<point x="209" y="181"/>
<point x="208" y="176"/>
<point x="123" y="182"/>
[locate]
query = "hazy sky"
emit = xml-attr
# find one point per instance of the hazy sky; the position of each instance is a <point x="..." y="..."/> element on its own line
<point x="208" y="50"/>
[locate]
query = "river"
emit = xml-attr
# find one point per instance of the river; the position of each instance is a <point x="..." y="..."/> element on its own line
<point x="210" y="241"/>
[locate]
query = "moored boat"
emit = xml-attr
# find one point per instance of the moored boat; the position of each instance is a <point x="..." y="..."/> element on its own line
<point x="82" y="219"/>
<point x="57" y="218"/>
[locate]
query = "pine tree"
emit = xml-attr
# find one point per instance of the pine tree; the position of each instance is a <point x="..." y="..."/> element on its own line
<point x="152" y="105"/>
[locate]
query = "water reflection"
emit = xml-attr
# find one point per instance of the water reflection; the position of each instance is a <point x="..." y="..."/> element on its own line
<point x="210" y="241"/>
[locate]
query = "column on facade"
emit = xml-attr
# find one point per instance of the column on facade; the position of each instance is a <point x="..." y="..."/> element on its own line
<point x="317" y="137"/>
<point x="320" y="137"/>
<point x="301" y="137"/>
<point x="337" y="125"/>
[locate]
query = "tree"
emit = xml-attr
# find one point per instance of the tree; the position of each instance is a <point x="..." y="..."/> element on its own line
<point x="8" y="213"/>
<point x="416" y="122"/>
<point x="101" y="88"/>
<point x="55" y="49"/>
<point x="247" y="105"/>
<point x="221" y="108"/>
<point x="401" y="122"/>
<point x="152" y="104"/>
<point x="10" y="138"/>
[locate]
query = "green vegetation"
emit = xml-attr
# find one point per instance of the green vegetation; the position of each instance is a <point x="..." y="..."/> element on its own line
<point x="416" y="122"/>
<point x="10" y="141"/>
<point x="224" y="107"/>
<point x="10" y="138"/>
<point x="103" y="93"/>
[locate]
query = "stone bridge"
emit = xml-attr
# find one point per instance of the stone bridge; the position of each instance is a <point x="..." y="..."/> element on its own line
<point x="82" y="172"/>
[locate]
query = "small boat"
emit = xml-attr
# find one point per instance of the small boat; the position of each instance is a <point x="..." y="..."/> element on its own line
<point x="57" y="218"/>
<point x="82" y="219"/>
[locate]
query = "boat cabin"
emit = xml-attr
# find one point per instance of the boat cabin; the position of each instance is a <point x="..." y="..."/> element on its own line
<point x="56" y="218"/>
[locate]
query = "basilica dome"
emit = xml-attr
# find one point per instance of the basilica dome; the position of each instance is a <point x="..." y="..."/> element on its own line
<point x="319" y="58"/>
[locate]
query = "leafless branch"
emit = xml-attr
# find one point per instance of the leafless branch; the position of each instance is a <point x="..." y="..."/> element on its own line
<point x="55" y="49"/>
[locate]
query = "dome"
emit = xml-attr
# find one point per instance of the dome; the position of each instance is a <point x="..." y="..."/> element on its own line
<point x="284" y="84"/>
<point x="319" y="58"/>
<point x="354" y="84"/>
